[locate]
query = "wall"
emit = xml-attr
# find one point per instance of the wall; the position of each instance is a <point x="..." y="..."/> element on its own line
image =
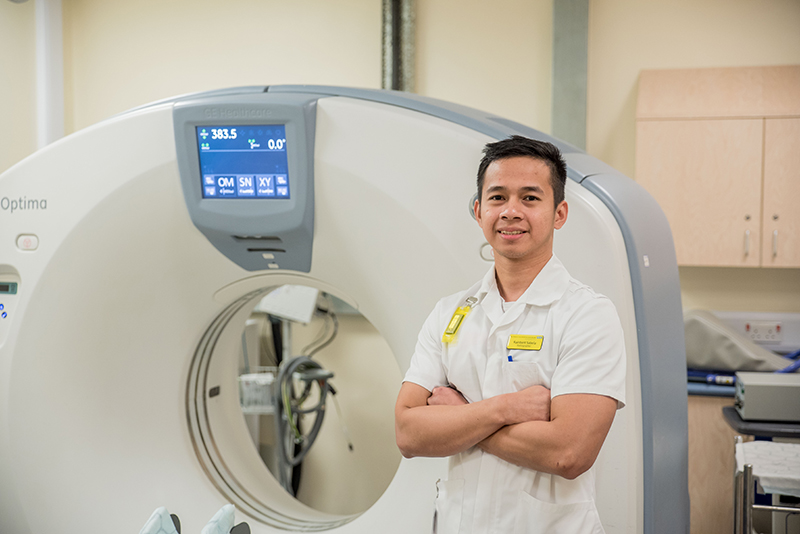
<point x="626" y="36"/>
<point x="494" y="56"/>
<point x="118" y="54"/>
<point x="121" y="54"/>
<point x="768" y="290"/>
<point x="17" y="82"/>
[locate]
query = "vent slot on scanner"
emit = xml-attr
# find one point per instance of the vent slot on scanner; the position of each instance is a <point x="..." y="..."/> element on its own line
<point x="260" y="238"/>
<point x="265" y="250"/>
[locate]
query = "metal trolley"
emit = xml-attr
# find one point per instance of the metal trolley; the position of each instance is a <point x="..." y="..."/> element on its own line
<point x="744" y="494"/>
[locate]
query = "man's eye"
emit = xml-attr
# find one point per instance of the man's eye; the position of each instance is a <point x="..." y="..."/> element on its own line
<point x="531" y="198"/>
<point x="496" y="197"/>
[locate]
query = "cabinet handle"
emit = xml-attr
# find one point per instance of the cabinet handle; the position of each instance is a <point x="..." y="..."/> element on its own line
<point x="747" y="242"/>
<point x="774" y="243"/>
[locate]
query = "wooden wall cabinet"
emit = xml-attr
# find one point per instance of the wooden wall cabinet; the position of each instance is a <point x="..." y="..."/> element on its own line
<point x="781" y="214"/>
<point x="719" y="149"/>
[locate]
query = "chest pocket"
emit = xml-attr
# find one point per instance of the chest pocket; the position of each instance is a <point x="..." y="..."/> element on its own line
<point x="521" y="372"/>
<point x="525" y="356"/>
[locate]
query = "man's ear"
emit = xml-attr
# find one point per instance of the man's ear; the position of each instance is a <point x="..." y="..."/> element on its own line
<point x="561" y="214"/>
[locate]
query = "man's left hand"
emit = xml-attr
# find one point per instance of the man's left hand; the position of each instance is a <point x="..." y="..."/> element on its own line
<point x="446" y="396"/>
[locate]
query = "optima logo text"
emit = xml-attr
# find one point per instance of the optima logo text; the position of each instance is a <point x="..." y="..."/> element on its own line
<point x="22" y="204"/>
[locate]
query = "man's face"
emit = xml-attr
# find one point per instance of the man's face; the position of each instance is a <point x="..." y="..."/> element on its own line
<point x="516" y="214"/>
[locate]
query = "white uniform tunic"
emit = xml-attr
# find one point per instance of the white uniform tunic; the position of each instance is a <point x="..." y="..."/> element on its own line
<point x="582" y="352"/>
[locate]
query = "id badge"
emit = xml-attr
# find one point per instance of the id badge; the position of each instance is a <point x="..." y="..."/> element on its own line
<point x="457" y="320"/>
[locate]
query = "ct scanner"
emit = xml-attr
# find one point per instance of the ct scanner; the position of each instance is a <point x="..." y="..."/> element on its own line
<point x="125" y="270"/>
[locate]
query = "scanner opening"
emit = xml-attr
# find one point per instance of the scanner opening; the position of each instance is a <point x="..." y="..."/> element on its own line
<point x="238" y="448"/>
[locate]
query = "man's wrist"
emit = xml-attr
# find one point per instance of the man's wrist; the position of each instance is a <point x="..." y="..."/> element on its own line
<point x="501" y="408"/>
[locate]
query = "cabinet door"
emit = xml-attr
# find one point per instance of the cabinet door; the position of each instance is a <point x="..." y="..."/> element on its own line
<point x="711" y="466"/>
<point x="706" y="175"/>
<point x="781" y="222"/>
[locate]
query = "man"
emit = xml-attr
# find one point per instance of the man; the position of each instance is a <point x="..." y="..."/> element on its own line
<point x="518" y="378"/>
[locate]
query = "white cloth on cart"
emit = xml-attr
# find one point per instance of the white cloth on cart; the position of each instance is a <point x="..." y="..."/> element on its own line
<point x="775" y="465"/>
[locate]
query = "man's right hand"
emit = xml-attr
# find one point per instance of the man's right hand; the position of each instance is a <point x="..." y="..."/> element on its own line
<point x="529" y="404"/>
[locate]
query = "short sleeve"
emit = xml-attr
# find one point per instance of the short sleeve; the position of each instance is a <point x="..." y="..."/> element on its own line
<point x="591" y="356"/>
<point x="426" y="367"/>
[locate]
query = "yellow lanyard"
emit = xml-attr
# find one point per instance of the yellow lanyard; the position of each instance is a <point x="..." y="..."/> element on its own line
<point x="458" y="318"/>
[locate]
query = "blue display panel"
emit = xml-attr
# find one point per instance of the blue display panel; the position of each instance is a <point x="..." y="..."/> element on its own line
<point x="247" y="162"/>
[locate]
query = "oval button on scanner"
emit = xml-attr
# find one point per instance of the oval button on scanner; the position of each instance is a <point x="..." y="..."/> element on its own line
<point x="27" y="242"/>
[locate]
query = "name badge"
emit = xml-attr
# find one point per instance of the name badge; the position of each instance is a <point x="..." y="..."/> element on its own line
<point x="524" y="342"/>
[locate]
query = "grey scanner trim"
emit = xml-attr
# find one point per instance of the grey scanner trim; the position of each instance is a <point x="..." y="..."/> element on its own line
<point x="656" y="297"/>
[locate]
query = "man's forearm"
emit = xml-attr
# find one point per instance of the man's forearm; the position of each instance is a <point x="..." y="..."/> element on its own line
<point x="441" y="423"/>
<point x="534" y="445"/>
<point x="446" y="430"/>
<point x="566" y="446"/>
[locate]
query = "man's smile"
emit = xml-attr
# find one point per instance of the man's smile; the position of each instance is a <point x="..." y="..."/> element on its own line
<point x="511" y="233"/>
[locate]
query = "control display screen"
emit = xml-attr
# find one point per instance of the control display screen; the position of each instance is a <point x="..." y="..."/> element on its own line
<point x="243" y="161"/>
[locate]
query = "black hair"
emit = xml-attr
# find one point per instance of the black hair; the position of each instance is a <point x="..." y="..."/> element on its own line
<point x="516" y="146"/>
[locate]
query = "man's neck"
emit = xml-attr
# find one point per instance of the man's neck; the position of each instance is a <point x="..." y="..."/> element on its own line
<point x="515" y="276"/>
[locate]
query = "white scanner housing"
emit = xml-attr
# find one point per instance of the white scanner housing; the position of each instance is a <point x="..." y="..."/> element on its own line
<point x="121" y="283"/>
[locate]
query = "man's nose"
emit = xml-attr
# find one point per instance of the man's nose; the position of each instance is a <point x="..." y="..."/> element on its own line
<point x="511" y="210"/>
